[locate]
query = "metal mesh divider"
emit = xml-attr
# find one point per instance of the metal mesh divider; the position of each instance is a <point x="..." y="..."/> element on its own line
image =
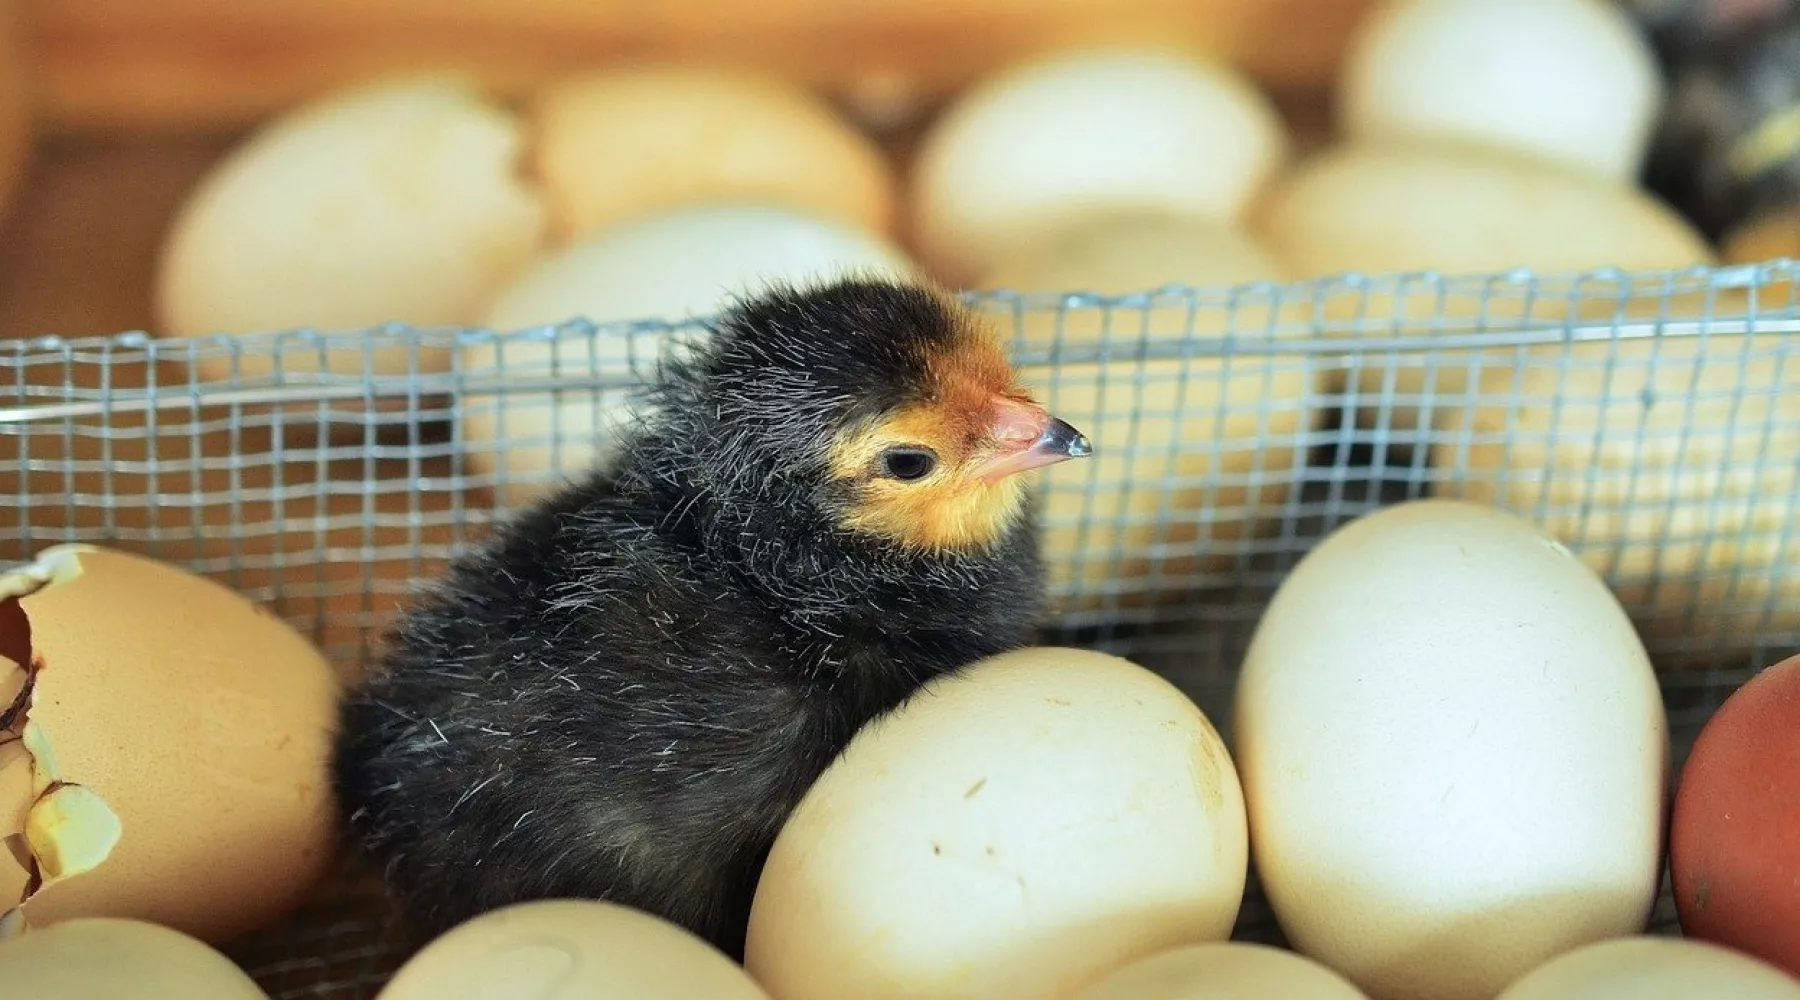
<point x="1650" y="422"/>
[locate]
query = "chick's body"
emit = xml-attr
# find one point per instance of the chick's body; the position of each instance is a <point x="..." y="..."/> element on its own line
<point x="624" y="693"/>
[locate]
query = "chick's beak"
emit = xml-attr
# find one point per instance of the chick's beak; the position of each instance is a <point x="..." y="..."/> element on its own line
<point x="1027" y="437"/>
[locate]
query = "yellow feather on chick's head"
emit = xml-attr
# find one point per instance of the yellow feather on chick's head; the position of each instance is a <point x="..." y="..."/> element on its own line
<point x="941" y="473"/>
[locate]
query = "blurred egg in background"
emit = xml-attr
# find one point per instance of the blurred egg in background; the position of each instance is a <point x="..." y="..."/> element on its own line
<point x="1029" y="152"/>
<point x="394" y="202"/>
<point x="680" y="266"/>
<point x="613" y="144"/>
<point x="1569" y="81"/>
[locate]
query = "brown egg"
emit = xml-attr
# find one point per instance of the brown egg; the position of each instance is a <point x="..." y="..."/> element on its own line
<point x="1734" y="850"/>
<point x="622" y="143"/>
<point x="570" y="949"/>
<point x="172" y="751"/>
<point x="98" y="958"/>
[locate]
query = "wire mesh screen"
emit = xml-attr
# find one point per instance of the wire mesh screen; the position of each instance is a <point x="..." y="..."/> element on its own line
<point x="1649" y="421"/>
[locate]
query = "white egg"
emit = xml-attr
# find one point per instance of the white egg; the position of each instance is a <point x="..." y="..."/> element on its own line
<point x="674" y="266"/>
<point x="686" y="263"/>
<point x="1389" y="207"/>
<point x="1063" y="139"/>
<point x="1223" y="970"/>
<point x="1382" y="207"/>
<point x="1657" y="460"/>
<point x="1653" y="968"/>
<point x="1572" y="81"/>
<point x="392" y="202"/>
<point x="1454" y="754"/>
<point x="563" y="949"/>
<point x="626" y="141"/>
<point x="108" y="957"/>
<point x="1013" y="831"/>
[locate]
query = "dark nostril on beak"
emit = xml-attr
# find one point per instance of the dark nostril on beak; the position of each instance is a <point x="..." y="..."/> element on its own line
<point x="1059" y="438"/>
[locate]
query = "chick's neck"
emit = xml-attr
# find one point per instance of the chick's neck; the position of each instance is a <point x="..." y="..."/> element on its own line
<point x="838" y="595"/>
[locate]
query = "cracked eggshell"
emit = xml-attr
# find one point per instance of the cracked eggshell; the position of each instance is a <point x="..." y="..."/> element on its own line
<point x="15" y="804"/>
<point x="570" y="948"/>
<point x="196" y="719"/>
<point x="97" y="958"/>
<point x="1013" y="831"/>
<point x="397" y="201"/>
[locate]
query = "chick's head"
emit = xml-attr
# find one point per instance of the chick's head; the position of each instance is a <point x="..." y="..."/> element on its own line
<point x="892" y="405"/>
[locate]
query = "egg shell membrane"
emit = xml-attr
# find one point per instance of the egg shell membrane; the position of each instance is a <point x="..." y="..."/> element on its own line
<point x="15" y="802"/>
<point x="17" y="870"/>
<point x="90" y="711"/>
<point x="53" y="829"/>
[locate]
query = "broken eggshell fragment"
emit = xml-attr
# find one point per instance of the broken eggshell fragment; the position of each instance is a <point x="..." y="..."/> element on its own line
<point x="15" y="803"/>
<point x="68" y="831"/>
<point x="163" y="756"/>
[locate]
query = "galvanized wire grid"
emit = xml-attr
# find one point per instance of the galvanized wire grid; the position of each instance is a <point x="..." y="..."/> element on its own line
<point x="1649" y="421"/>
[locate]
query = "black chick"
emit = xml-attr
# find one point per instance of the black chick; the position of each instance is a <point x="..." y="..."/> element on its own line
<point x="625" y="691"/>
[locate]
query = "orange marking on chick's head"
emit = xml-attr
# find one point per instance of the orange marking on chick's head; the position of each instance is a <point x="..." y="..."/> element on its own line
<point x="951" y="508"/>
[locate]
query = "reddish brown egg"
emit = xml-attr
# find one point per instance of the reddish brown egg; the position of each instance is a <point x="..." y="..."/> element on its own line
<point x="1735" y="841"/>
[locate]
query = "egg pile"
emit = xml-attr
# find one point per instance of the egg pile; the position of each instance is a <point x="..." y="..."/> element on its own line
<point x="1449" y="759"/>
<point x="1449" y="768"/>
<point x="1471" y="138"/>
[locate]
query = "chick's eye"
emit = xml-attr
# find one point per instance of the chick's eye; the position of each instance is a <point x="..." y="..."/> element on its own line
<point x="907" y="463"/>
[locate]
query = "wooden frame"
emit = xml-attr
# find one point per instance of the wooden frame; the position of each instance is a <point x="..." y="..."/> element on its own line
<point x="15" y="123"/>
<point x="168" y="64"/>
